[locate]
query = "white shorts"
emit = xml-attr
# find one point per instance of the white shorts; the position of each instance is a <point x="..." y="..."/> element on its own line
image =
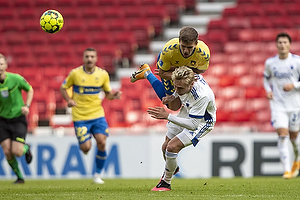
<point x="288" y="120"/>
<point x="186" y="136"/>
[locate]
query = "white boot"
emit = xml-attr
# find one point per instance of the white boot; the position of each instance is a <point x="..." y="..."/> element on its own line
<point x="97" y="179"/>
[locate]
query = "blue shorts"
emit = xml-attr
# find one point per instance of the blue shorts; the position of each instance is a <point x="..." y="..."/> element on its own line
<point x="85" y="129"/>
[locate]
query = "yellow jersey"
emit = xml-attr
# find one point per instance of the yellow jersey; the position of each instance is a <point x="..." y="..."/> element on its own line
<point x="172" y="56"/>
<point x="86" y="92"/>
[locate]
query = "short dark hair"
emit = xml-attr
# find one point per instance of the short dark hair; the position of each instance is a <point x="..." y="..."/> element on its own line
<point x="90" y="49"/>
<point x="188" y="34"/>
<point x="284" y="34"/>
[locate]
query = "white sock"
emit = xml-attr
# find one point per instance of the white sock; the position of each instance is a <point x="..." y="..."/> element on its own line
<point x="296" y="150"/>
<point x="284" y="152"/>
<point x="170" y="166"/>
<point x="147" y="73"/>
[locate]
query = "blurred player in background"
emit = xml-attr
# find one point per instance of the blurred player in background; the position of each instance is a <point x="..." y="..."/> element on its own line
<point x="195" y="119"/>
<point x="186" y="50"/>
<point x="281" y="82"/>
<point x="87" y="111"/>
<point x="13" y="122"/>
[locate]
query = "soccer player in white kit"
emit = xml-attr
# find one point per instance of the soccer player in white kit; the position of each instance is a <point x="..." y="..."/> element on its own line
<point x="281" y="82"/>
<point x="195" y="119"/>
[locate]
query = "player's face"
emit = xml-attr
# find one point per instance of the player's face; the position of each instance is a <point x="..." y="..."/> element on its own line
<point x="283" y="45"/>
<point x="3" y="66"/>
<point x="181" y="88"/>
<point x="187" y="48"/>
<point x="89" y="59"/>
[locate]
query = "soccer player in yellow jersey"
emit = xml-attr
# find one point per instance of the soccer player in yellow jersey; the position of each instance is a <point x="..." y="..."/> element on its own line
<point x="87" y="112"/>
<point x="186" y="50"/>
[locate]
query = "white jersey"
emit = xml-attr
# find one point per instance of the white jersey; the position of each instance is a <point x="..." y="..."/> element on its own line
<point x="279" y="72"/>
<point x="200" y="102"/>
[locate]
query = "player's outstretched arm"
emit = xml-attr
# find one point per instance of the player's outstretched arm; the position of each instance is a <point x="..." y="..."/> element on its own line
<point x="113" y="95"/>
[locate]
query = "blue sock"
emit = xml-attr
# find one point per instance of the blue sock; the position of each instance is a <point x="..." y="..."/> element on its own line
<point x="157" y="85"/>
<point x="100" y="160"/>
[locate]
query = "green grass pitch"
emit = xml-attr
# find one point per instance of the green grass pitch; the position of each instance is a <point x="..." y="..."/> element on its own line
<point x="139" y="189"/>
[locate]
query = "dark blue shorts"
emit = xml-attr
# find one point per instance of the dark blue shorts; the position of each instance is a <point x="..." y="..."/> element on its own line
<point x="85" y="129"/>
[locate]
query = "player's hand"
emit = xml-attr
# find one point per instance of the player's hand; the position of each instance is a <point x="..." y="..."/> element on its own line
<point x="270" y="95"/>
<point x="158" y="113"/>
<point x="288" y="87"/>
<point x="117" y="94"/>
<point x="71" y="103"/>
<point x="168" y="99"/>
<point x="25" y="110"/>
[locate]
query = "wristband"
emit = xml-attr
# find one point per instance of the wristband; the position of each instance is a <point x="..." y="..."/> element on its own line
<point x="27" y="105"/>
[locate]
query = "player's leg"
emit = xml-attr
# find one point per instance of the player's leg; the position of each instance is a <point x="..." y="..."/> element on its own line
<point x="293" y="132"/>
<point x="296" y="162"/>
<point x="82" y="131"/>
<point x="19" y="132"/>
<point x="100" y="132"/>
<point x="11" y="159"/>
<point x="145" y="73"/>
<point x="284" y="151"/>
<point x="280" y="121"/>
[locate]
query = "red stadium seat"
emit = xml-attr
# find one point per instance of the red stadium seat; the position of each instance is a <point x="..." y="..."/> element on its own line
<point x="28" y="13"/>
<point x="257" y="58"/>
<point x="91" y="13"/>
<point x="236" y="58"/>
<point x="248" y="81"/>
<point x="218" y="58"/>
<point x="274" y="10"/>
<point x="157" y="17"/>
<point x="126" y="42"/>
<point x="11" y="26"/>
<point x="233" y="47"/>
<point x="118" y="25"/>
<point x="79" y="38"/>
<point x="251" y="11"/>
<point x="15" y="38"/>
<point x="23" y="3"/>
<point x="227" y="80"/>
<point x="134" y="12"/>
<point x="85" y="3"/>
<point x="105" y="37"/>
<point x="260" y="23"/>
<point x="254" y="92"/>
<point x="267" y="35"/>
<point x="237" y="24"/>
<point x="217" y="70"/>
<point x="8" y="14"/>
<point x="281" y="22"/>
<point x="247" y="35"/>
<point x="236" y="105"/>
<point x="218" y="24"/>
<point x="240" y="70"/>
<point x="232" y="12"/>
<point x="258" y="104"/>
<point x="143" y="32"/>
<point x="254" y="47"/>
<point x="114" y="12"/>
<point x="97" y="25"/>
<point x="231" y="92"/>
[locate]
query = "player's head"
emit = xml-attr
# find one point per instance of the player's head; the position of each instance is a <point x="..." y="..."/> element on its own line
<point x="90" y="58"/>
<point x="188" y="39"/>
<point x="3" y="64"/>
<point x="183" y="79"/>
<point x="283" y="43"/>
